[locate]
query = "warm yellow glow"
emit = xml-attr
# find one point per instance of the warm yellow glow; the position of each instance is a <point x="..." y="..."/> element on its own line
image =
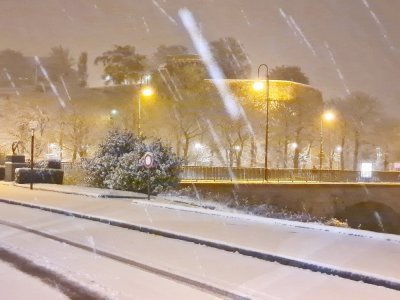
<point x="278" y="90"/>
<point x="258" y="85"/>
<point x="328" y="116"/>
<point x="147" y="91"/>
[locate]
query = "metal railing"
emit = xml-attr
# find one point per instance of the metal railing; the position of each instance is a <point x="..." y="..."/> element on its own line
<point x="196" y="173"/>
<point x="71" y="165"/>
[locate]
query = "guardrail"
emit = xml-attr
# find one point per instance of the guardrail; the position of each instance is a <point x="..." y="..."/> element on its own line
<point x="67" y="165"/>
<point x="197" y="173"/>
<point x="257" y="174"/>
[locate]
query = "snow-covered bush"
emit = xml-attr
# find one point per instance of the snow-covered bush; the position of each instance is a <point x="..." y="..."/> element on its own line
<point x="117" y="164"/>
<point x="48" y="164"/>
<point x="103" y="165"/>
<point x="337" y="223"/>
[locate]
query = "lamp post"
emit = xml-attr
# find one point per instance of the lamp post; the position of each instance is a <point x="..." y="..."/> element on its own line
<point x="146" y="91"/>
<point x="258" y="85"/>
<point x="326" y="116"/>
<point x="32" y="126"/>
<point x="113" y="114"/>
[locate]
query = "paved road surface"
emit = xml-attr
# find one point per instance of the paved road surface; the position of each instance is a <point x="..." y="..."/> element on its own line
<point x="237" y="275"/>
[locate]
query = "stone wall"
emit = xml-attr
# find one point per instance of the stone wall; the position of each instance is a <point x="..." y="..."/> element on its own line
<point x="318" y="199"/>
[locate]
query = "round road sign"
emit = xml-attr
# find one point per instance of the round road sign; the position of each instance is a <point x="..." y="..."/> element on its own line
<point x="148" y="160"/>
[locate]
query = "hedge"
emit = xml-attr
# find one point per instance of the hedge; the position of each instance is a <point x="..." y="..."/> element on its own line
<point x="23" y="175"/>
<point x="2" y="172"/>
<point x="48" y="164"/>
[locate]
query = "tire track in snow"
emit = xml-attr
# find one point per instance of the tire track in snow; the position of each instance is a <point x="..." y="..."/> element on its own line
<point x="78" y="292"/>
<point x="69" y="288"/>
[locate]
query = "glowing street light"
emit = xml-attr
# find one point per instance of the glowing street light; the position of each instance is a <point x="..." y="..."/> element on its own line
<point x="258" y="86"/>
<point x="113" y="114"/>
<point x="327" y="116"/>
<point x="198" y="146"/>
<point x="147" y="92"/>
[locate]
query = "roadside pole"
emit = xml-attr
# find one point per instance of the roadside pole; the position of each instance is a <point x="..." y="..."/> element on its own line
<point x="148" y="160"/>
<point x="32" y="126"/>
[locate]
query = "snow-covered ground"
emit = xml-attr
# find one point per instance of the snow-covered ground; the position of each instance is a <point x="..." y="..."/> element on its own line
<point x="244" y="276"/>
<point x="363" y="252"/>
<point x="230" y="205"/>
<point x="105" y="277"/>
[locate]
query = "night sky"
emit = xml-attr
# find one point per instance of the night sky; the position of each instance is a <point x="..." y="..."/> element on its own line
<point x="342" y="45"/>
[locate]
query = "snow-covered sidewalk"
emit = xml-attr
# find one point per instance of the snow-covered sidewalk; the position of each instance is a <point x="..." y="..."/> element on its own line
<point x="80" y="190"/>
<point x="363" y="252"/>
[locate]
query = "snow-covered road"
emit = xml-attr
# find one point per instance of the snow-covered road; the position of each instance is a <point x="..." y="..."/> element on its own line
<point x="11" y="280"/>
<point x="373" y="254"/>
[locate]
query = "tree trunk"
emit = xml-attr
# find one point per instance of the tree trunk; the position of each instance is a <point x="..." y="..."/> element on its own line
<point x="186" y="149"/>
<point x="285" y="152"/>
<point x="253" y="151"/>
<point x="239" y="158"/>
<point x="178" y="145"/>
<point x="356" y="149"/>
<point x="331" y="156"/>
<point x="74" y="153"/>
<point x="342" y="153"/>
<point x="385" y="163"/>
<point x="226" y="162"/>
<point x="286" y="144"/>
<point x="296" y="158"/>
<point x="230" y="158"/>
<point x="297" y="150"/>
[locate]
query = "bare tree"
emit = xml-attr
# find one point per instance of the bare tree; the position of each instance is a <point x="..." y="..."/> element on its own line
<point x="357" y="125"/>
<point x="76" y="133"/>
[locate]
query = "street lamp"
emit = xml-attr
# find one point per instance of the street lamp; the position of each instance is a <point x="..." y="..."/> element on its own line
<point x="113" y="114"/>
<point x="33" y="125"/>
<point x="146" y="91"/>
<point x="258" y="86"/>
<point x="327" y="116"/>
